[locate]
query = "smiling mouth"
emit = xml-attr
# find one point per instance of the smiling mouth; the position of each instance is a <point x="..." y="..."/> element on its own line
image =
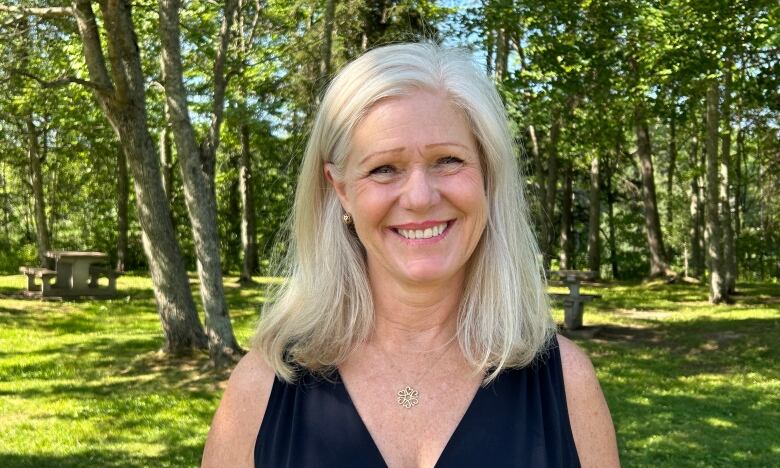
<point x="427" y="233"/>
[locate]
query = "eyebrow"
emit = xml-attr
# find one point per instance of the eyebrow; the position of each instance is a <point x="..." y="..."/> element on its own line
<point x="401" y="148"/>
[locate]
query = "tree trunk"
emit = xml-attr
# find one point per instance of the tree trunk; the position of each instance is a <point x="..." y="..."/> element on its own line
<point x="122" y="101"/>
<point x="489" y="52"/>
<point x="502" y="54"/>
<point x="248" y="229"/>
<point x="197" y="164"/>
<point x="714" y="255"/>
<point x="611" y="216"/>
<point x="538" y="177"/>
<point x="550" y="192"/>
<point x="166" y="155"/>
<point x="655" y="241"/>
<point x="696" y="210"/>
<point x="36" y="158"/>
<point x="729" y="250"/>
<point x="672" y="163"/>
<point x="327" y="41"/>
<point x="566" y="254"/>
<point x="739" y="199"/>
<point x="594" y="219"/>
<point x="122" y="197"/>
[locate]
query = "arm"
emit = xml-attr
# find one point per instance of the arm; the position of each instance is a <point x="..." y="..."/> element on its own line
<point x="591" y="424"/>
<point x="231" y="440"/>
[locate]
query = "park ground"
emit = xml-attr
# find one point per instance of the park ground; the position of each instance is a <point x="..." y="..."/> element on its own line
<point x="82" y="382"/>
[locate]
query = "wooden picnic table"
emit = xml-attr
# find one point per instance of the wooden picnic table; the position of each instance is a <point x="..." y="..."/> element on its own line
<point x="75" y="274"/>
<point x="573" y="302"/>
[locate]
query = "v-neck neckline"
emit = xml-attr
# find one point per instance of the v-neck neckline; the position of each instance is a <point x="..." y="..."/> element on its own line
<point x="458" y="428"/>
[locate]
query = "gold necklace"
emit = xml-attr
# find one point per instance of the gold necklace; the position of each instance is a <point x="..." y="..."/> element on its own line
<point x="408" y="396"/>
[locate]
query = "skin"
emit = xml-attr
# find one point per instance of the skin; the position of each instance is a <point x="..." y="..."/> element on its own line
<point x="413" y="164"/>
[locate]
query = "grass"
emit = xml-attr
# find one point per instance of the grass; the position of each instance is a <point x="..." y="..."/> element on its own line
<point x="82" y="383"/>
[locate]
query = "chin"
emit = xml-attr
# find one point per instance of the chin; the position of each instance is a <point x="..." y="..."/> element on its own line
<point x="427" y="275"/>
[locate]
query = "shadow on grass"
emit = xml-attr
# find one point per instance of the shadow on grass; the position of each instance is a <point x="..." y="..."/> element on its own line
<point x="182" y="455"/>
<point x="693" y="392"/>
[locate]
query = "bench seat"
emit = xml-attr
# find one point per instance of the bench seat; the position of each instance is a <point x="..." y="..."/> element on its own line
<point x="96" y="272"/>
<point x="573" y="307"/>
<point x="44" y="274"/>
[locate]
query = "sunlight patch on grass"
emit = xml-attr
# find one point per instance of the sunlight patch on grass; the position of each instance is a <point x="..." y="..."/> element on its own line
<point x="720" y="422"/>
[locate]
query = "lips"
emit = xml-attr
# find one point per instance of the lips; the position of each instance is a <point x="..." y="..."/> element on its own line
<point x="425" y="230"/>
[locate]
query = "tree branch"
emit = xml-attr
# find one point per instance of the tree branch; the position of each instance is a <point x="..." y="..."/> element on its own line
<point x="90" y="38"/>
<point x="253" y="29"/>
<point x="62" y="81"/>
<point x="220" y="79"/>
<point x="51" y="12"/>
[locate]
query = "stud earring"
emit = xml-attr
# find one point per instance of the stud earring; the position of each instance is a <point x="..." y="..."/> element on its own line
<point x="346" y="218"/>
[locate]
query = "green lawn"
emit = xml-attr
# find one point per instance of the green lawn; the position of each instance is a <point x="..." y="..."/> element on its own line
<point x="82" y="384"/>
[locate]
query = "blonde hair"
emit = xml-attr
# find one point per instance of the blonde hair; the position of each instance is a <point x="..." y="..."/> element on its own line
<point x="325" y="308"/>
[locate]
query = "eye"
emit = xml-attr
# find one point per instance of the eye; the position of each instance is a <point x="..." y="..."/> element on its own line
<point x="449" y="160"/>
<point x="383" y="170"/>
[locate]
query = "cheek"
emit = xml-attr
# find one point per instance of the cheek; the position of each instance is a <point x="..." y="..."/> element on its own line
<point x="467" y="190"/>
<point x="371" y="201"/>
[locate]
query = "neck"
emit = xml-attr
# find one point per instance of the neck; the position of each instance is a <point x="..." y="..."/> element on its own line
<point x="415" y="317"/>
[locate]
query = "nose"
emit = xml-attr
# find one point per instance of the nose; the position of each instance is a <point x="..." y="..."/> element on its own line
<point x="419" y="191"/>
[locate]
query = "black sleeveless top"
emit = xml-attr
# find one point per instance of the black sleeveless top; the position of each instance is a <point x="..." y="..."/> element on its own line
<point x="518" y="420"/>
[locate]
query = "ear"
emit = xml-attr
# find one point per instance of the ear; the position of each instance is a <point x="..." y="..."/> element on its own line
<point x="338" y="185"/>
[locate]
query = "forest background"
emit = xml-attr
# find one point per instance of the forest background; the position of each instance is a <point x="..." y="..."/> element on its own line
<point x="169" y="134"/>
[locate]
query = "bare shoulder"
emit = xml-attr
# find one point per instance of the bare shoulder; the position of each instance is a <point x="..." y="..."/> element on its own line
<point x="235" y="425"/>
<point x="591" y="423"/>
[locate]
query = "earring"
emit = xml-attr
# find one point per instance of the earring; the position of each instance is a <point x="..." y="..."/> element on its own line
<point x="346" y="218"/>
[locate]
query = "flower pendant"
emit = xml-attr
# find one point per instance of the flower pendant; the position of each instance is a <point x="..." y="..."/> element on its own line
<point x="408" y="397"/>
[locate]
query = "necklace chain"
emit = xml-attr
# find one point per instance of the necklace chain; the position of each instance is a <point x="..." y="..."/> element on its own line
<point x="408" y="396"/>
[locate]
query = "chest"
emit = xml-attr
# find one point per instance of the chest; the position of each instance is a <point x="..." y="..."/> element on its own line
<point x="354" y="420"/>
<point x="415" y="436"/>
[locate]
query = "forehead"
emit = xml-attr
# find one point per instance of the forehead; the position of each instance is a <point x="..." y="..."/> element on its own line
<point x="418" y="119"/>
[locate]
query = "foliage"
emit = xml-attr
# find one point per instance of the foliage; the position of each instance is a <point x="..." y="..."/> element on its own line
<point x="584" y="63"/>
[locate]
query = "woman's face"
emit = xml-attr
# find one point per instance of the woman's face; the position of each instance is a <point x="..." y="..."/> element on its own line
<point x="414" y="187"/>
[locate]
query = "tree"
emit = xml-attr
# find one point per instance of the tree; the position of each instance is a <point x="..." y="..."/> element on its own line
<point x="119" y="91"/>
<point x="594" y="218"/>
<point x="714" y="252"/>
<point x="197" y="161"/>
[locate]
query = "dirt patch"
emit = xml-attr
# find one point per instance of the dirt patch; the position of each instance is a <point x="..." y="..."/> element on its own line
<point x="629" y="334"/>
<point x="644" y="314"/>
<point x="188" y="372"/>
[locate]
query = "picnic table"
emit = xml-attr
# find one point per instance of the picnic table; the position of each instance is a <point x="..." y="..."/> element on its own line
<point x="573" y="302"/>
<point x="75" y="274"/>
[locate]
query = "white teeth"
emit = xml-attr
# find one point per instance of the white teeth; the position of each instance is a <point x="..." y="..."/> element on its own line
<point x="423" y="234"/>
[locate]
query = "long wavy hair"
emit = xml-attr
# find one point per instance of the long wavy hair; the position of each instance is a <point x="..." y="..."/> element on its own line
<point x="324" y="309"/>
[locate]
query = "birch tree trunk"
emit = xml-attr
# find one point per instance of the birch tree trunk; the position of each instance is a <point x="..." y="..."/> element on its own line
<point x="655" y="241"/>
<point x="120" y="95"/>
<point x="714" y="253"/>
<point x="197" y="162"/>
<point x="594" y="219"/>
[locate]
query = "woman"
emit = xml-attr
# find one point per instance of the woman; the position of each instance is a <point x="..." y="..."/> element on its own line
<point x="414" y="329"/>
